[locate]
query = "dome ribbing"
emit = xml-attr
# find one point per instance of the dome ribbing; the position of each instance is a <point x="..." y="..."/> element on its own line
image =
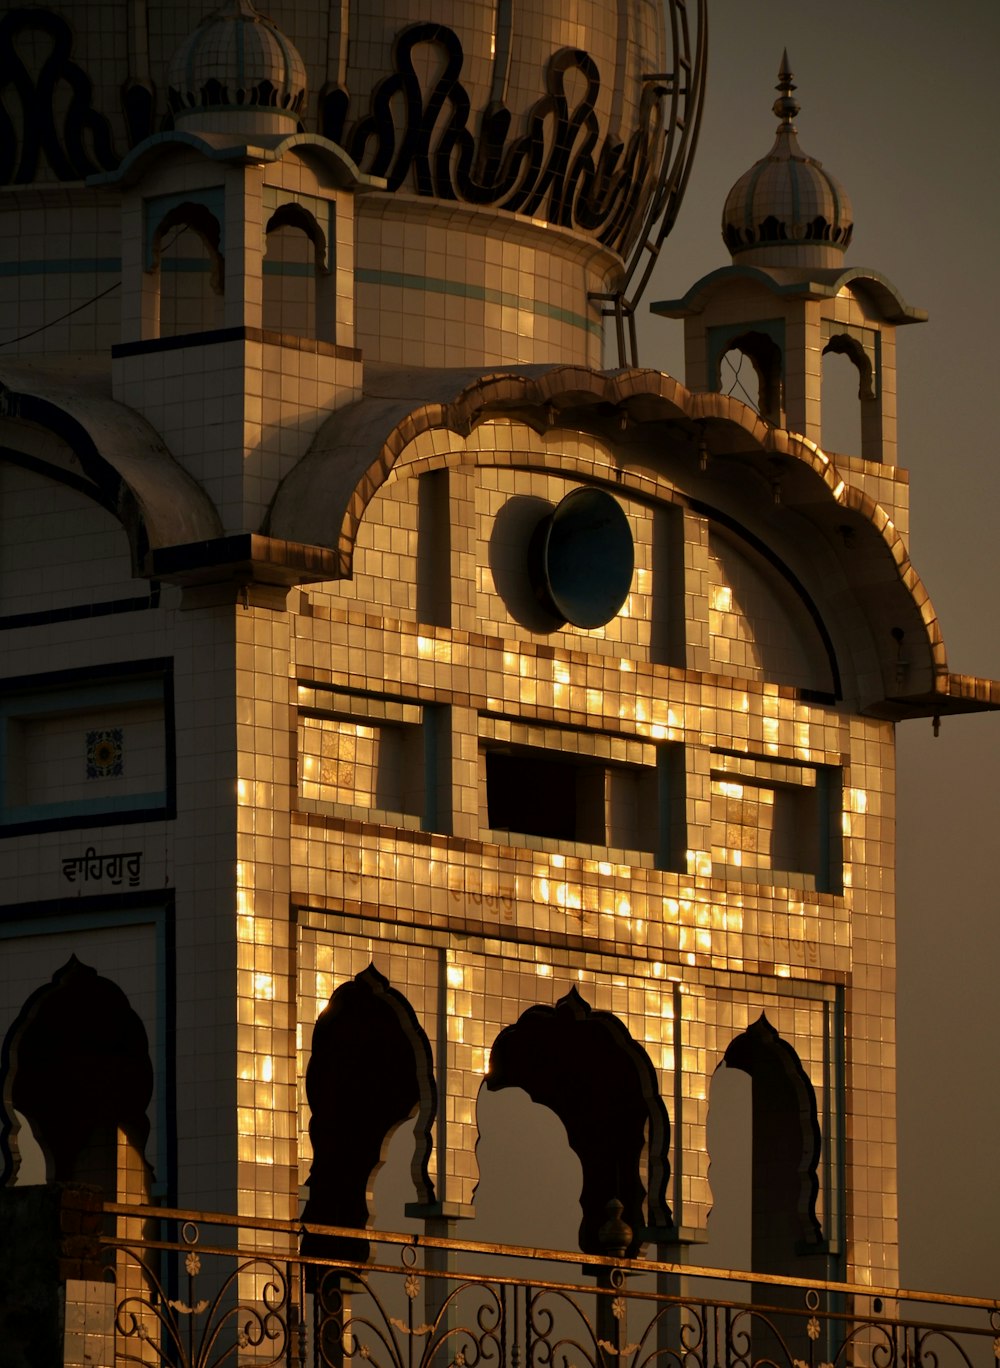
<point x="237" y="60"/>
<point x="786" y="210"/>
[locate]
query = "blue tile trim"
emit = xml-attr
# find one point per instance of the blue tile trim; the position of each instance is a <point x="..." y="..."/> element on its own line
<point x="199" y="266"/>
<point x="237" y="333"/>
<point x="484" y="293"/>
<point x="46" y="813"/>
<point x="289" y="268"/>
<point x="44" y="617"/>
<point x="123" y="683"/>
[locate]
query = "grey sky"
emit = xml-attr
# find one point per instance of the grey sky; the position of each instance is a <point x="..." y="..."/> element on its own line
<point x="899" y="101"/>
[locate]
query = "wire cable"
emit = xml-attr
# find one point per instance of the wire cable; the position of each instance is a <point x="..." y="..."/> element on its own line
<point x="11" y="341"/>
<point x="737" y="382"/>
<point x="53" y="321"/>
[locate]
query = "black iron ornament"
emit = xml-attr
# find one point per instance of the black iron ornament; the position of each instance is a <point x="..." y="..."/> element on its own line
<point x="559" y="168"/>
<point x="56" y="118"/>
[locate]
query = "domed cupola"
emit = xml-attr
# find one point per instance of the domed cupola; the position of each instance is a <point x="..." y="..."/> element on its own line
<point x="237" y="65"/>
<point x="786" y="210"/>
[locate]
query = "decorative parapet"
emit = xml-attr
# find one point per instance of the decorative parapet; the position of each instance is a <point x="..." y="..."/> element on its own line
<point x="204" y="1299"/>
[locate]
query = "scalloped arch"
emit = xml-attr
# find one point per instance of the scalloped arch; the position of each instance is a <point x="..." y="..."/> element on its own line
<point x="324" y="499"/>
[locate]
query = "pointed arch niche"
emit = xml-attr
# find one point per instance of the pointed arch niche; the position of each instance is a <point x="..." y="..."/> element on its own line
<point x="587" y="1068"/>
<point x="76" y="1068"/>
<point x="298" y="282"/>
<point x="785" y="1143"/>
<point x="371" y="1069"/>
<point x="185" y="263"/>
<point x="763" y="347"/>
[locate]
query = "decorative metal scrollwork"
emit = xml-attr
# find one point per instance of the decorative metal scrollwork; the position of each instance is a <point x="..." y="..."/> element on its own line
<point x="186" y="1303"/>
<point x="353" y="1321"/>
<point x="197" y="1331"/>
<point x="70" y="133"/>
<point x="559" y="168"/>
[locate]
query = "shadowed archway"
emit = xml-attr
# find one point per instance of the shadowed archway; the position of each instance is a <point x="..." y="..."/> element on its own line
<point x="76" y="1065"/>
<point x="765" y="356"/>
<point x="786" y="1146"/>
<point x="600" y="1082"/>
<point x="371" y="1069"/>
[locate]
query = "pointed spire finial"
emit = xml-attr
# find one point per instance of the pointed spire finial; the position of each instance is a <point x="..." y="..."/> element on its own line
<point x="786" y="106"/>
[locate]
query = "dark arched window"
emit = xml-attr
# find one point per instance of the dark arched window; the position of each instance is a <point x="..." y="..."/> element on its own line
<point x="187" y="255"/>
<point x="298" y="284"/>
<point x="764" y="356"/>
<point x="76" y="1066"/>
<point x="601" y="1083"/>
<point x="851" y="412"/>
<point x="370" y="1070"/>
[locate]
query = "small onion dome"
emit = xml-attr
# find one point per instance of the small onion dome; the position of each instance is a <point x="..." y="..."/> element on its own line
<point x="786" y="210"/>
<point x="237" y="62"/>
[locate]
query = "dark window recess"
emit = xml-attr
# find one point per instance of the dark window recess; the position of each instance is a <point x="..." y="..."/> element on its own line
<point x="781" y="827"/>
<point x="537" y="794"/>
<point x="806" y="833"/>
<point x="578" y="798"/>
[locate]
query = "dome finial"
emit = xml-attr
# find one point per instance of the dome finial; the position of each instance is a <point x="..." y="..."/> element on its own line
<point x="786" y="210"/>
<point x="786" y="106"/>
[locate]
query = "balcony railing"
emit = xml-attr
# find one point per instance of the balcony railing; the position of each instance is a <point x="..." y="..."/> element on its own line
<point x="197" y="1290"/>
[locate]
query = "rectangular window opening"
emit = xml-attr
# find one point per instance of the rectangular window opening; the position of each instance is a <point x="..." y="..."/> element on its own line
<point x="377" y="758"/>
<point x="775" y="822"/>
<point x="588" y="799"/>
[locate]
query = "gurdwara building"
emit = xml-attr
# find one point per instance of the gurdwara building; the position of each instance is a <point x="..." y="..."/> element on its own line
<point x="397" y="702"/>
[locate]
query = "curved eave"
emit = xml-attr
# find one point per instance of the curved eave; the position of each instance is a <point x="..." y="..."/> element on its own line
<point x="957" y="694"/>
<point x="790" y="283"/>
<point x="344" y="172"/>
<point x="157" y="501"/>
<point x="323" y="500"/>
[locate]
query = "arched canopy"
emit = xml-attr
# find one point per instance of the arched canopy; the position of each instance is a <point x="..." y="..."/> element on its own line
<point x="133" y="474"/>
<point x="334" y="162"/>
<point x="783" y="489"/>
<point x="884" y="297"/>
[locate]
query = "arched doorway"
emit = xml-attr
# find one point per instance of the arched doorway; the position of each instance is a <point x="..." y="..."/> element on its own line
<point x="786" y="1236"/>
<point x="370" y="1070"/>
<point x="76" y="1067"/>
<point x="586" y="1067"/>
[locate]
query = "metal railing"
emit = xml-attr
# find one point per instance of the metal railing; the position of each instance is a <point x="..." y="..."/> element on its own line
<point x="214" y="1290"/>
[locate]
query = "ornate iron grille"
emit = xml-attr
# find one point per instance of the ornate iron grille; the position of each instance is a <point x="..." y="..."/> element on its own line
<point x="219" y="1290"/>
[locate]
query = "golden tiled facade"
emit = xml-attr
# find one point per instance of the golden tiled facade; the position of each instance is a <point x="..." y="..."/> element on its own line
<point x="321" y="705"/>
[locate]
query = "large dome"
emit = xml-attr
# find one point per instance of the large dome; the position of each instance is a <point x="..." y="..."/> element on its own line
<point x="564" y="114"/>
<point x="521" y="155"/>
<point x="549" y="110"/>
<point x="786" y="210"/>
